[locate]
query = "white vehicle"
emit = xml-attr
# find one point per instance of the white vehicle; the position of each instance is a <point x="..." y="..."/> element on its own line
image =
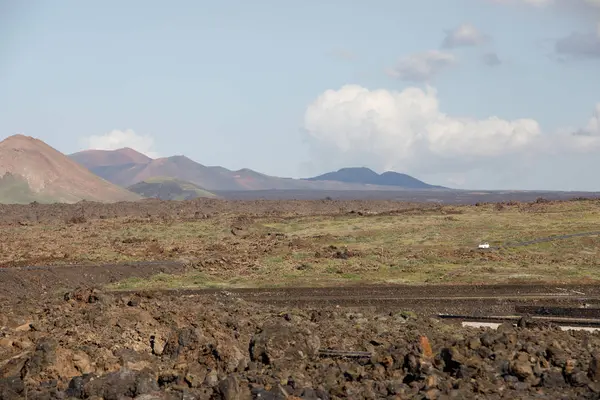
<point x="484" y="246"/>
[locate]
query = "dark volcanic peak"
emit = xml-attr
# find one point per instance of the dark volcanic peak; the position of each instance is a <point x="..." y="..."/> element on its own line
<point x="354" y="175"/>
<point x="367" y="176"/>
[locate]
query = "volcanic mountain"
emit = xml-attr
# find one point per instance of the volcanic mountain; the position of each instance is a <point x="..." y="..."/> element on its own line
<point x="126" y="167"/>
<point x="30" y="170"/>
<point x="369" y="177"/>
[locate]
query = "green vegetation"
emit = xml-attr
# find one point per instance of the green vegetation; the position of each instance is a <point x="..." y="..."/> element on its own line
<point x="15" y="190"/>
<point x="421" y="246"/>
<point x="169" y="189"/>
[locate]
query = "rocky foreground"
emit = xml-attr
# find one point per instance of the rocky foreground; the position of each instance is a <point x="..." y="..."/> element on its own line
<point x="92" y="345"/>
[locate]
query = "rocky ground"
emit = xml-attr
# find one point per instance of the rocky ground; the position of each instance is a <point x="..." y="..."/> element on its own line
<point x="153" y="210"/>
<point x="60" y="343"/>
<point x="95" y="345"/>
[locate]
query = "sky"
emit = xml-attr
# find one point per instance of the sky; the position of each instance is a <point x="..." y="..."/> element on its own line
<point x="471" y="94"/>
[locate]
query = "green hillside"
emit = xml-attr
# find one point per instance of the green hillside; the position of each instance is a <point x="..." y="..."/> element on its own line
<point x="15" y="190"/>
<point x="169" y="189"/>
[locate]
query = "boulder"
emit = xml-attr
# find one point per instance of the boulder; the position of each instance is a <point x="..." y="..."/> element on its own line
<point x="283" y="344"/>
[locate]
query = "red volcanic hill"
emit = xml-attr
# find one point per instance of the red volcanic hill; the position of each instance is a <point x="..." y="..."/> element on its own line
<point x="30" y="170"/>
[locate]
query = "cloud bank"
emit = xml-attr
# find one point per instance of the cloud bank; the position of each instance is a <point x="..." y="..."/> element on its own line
<point x="117" y="139"/>
<point x="407" y="131"/>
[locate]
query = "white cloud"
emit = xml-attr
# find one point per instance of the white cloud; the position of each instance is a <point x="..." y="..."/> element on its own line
<point x="407" y="131"/>
<point x="592" y="129"/>
<point x="464" y="35"/>
<point x="423" y="66"/>
<point x="117" y="139"/>
<point x="574" y="142"/>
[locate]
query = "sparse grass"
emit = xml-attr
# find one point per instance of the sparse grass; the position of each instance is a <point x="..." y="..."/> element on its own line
<point x="175" y="188"/>
<point x="14" y="190"/>
<point x="166" y="281"/>
<point x="416" y="247"/>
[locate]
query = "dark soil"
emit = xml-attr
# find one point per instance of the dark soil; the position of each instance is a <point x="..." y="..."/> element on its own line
<point x="33" y="282"/>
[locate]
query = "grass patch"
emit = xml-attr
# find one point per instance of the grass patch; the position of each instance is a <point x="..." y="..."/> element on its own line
<point x="167" y="281"/>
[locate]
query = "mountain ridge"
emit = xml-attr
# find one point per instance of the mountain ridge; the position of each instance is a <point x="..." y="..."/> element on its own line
<point x="216" y="178"/>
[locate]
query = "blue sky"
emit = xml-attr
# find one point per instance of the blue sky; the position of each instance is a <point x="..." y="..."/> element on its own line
<point x="299" y="88"/>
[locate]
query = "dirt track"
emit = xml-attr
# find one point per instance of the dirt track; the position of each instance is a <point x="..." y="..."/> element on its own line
<point x="429" y="299"/>
<point x="33" y="282"/>
<point x="215" y="345"/>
